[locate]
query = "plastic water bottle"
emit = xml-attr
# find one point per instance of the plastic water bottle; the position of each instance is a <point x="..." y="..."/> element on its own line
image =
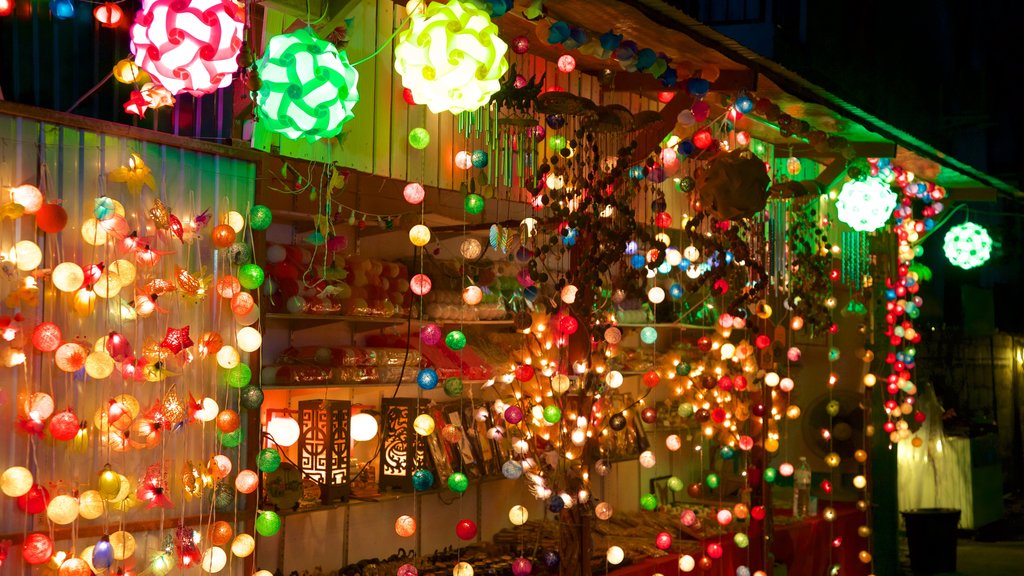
<point x="801" y="489"/>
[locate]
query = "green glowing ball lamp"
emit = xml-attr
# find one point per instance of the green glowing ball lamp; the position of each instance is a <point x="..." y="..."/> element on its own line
<point x="648" y="501"/>
<point x="455" y="340"/>
<point x="451" y="58"/>
<point x="967" y="245"/>
<point x="231" y="439"/>
<point x="865" y="205"/>
<point x="250" y="276"/>
<point x="268" y="460"/>
<point x="419" y="138"/>
<point x="552" y="414"/>
<point x="458" y="482"/>
<point x="308" y="89"/>
<point x="260" y="217"/>
<point x="268" y="523"/>
<point x="453" y="387"/>
<point x="474" y="204"/>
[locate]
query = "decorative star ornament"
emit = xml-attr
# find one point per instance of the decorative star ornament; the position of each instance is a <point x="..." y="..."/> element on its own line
<point x="176" y="340"/>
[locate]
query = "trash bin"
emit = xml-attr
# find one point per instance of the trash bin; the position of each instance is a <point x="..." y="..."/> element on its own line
<point x="931" y="538"/>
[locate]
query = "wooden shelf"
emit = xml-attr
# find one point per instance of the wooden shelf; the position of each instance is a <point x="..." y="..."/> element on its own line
<point x="664" y="325"/>
<point x="385" y="497"/>
<point x="356" y="385"/>
<point x="365" y="323"/>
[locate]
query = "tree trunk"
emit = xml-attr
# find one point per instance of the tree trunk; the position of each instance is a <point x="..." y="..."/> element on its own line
<point x="575" y="546"/>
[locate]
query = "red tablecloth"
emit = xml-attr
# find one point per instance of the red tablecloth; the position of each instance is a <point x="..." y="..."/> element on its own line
<point x="804" y="547"/>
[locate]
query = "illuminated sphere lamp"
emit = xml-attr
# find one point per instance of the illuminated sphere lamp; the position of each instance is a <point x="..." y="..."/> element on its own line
<point x="62" y="509"/>
<point x="26" y="255"/>
<point x="466" y="529"/>
<point x="28" y="196"/>
<point x="865" y="205"/>
<point x="364" y="427"/>
<point x="16" y="481"/>
<point x="268" y="460"/>
<point x="243" y="545"/>
<point x="188" y="45"/>
<point x="284" y="430"/>
<point x="6" y="7"/>
<point x="51" y="218"/>
<point x="423" y="425"/>
<point x="566" y="63"/>
<point x="268" y="523"/>
<point x="463" y="569"/>
<point x="37" y="548"/>
<point x="967" y="245"/>
<point x="419" y="138"/>
<point x="62" y="9"/>
<point x="247" y="481"/>
<point x="414" y="193"/>
<point x="419" y="235"/>
<point x="615" y="555"/>
<point x="309" y="87"/>
<point x="451" y="58"/>
<point x="109" y="15"/>
<point x="405" y="526"/>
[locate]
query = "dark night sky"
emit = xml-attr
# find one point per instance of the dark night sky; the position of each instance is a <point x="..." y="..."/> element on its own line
<point x="946" y="71"/>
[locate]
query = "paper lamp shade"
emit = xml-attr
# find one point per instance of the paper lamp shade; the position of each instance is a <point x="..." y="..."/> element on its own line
<point x="28" y="196"/>
<point x="249" y="339"/>
<point x="419" y="235"/>
<point x="247" y="481"/>
<point x="214" y="560"/>
<point x="227" y="357"/>
<point x="309" y="88"/>
<point x="90" y="505"/>
<point x="74" y="567"/>
<point x="123" y="544"/>
<point x="46" y="337"/>
<point x="463" y="569"/>
<point x="37" y="548"/>
<point x="615" y="555"/>
<point x="413" y="193"/>
<point x="68" y="277"/>
<point x="284" y="430"/>
<point x="967" y="245"/>
<point x="268" y="523"/>
<point x="451" y="58"/>
<point x="16" y="481"/>
<point x="865" y="205"/>
<point x="269" y="460"/>
<point x="405" y="526"/>
<point x="364" y="427"/>
<point x="34" y="502"/>
<point x="62" y="509"/>
<point x="518" y="515"/>
<point x="466" y="529"/>
<point x="243" y="545"/>
<point x="26" y="255"/>
<point x="64" y="425"/>
<point x="188" y="45"/>
<point x="51" y="218"/>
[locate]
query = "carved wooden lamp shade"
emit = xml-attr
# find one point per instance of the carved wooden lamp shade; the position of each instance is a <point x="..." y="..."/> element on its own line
<point x="401" y="454"/>
<point x="324" y="451"/>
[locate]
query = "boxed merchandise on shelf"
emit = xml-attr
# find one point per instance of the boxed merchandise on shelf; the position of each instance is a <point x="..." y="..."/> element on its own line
<point x="313" y="280"/>
<point x="324" y="366"/>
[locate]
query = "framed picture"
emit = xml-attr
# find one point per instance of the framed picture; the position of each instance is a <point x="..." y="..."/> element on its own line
<point x="659" y="487"/>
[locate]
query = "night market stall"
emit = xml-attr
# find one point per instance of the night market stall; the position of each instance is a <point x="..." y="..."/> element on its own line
<point x="462" y="288"/>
